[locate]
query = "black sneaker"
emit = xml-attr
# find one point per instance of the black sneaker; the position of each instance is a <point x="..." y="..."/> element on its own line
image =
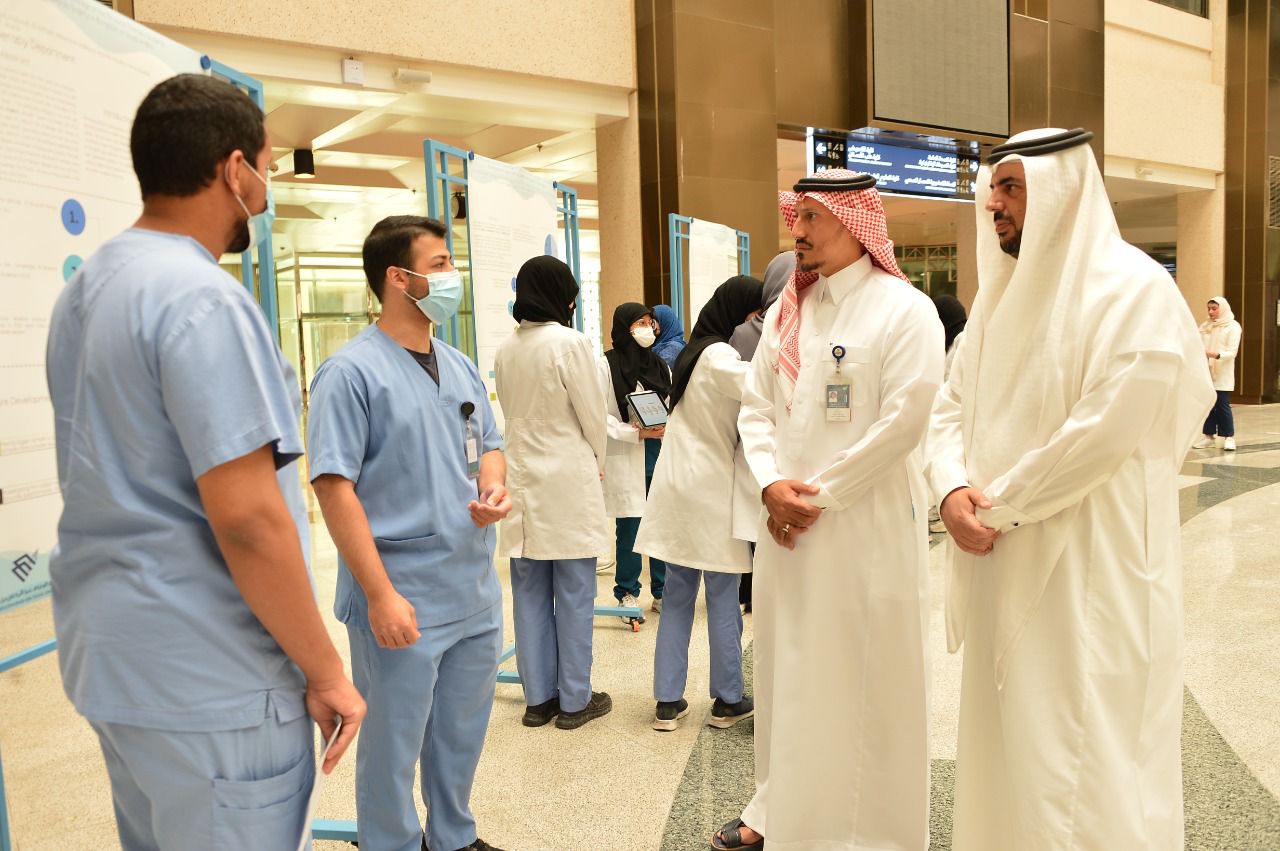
<point x="537" y="716"/>
<point x="599" y="704"/>
<point x="480" y="845"/>
<point x="725" y="715"/>
<point x="668" y="714"/>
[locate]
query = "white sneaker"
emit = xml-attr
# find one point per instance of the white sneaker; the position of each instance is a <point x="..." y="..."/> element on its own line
<point x="1229" y="444"/>
<point x="630" y="602"/>
<point x="1205" y="442"/>
<point x="657" y="605"/>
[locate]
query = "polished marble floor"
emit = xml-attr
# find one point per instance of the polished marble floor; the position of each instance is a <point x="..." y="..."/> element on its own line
<point x="616" y="784"/>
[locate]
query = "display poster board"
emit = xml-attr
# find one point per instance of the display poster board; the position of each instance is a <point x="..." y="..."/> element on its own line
<point x="72" y="73"/>
<point x="592" y="321"/>
<point x="512" y="217"/>
<point x="713" y="259"/>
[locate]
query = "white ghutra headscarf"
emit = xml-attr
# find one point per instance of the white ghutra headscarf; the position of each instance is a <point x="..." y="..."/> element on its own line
<point x="1043" y="328"/>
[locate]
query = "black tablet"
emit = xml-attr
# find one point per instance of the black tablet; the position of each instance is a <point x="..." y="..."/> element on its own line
<point x="648" y="408"/>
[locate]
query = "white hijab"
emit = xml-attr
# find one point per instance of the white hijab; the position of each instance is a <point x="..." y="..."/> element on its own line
<point x="1043" y="327"/>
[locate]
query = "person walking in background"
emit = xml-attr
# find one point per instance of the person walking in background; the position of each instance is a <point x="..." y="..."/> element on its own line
<point x="1221" y="336"/>
<point x="670" y="341"/>
<point x="554" y="407"/>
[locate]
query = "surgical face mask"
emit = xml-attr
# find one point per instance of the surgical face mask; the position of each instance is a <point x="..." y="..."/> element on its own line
<point x="644" y="336"/>
<point x="259" y="224"/>
<point x="444" y="293"/>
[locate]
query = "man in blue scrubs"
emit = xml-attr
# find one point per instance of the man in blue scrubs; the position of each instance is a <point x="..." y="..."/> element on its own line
<point x="407" y="464"/>
<point x="188" y="632"/>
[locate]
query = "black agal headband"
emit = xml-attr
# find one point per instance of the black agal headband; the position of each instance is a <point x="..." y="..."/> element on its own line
<point x="845" y="184"/>
<point x="1043" y="145"/>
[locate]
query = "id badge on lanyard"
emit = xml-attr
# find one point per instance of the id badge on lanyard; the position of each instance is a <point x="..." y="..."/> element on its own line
<point x="472" y="447"/>
<point x="836" y="390"/>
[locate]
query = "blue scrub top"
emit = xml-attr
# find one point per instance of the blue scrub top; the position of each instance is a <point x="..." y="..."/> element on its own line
<point x="377" y="419"/>
<point x="161" y="367"/>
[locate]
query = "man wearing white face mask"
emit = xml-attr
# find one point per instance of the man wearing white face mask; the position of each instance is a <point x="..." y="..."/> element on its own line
<point x="188" y="633"/>
<point x="407" y="465"/>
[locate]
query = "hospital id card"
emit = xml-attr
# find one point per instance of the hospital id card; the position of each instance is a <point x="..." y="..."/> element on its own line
<point x="473" y="455"/>
<point x="837" y="399"/>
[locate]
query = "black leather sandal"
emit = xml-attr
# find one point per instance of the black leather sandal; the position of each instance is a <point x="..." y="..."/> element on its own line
<point x="729" y="838"/>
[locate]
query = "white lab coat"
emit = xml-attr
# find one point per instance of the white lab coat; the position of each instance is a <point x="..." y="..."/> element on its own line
<point x="841" y="622"/>
<point x="555" y="444"/>
<point x="695" y="498"/>
<point x="624" y="491"/>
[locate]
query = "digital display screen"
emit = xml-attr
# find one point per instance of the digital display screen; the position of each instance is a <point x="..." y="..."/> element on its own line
<point x="913" y="170"/>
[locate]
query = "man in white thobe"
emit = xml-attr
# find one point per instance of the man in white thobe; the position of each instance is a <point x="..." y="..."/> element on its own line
<point x="835" y="407"/>
<point x="1054" y="451"/>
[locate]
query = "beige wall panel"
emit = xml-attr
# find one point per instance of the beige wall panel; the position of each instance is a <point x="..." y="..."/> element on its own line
<point x="528" y="37"/>
<point x="753" y="13"/>
<point x="811" y="40"/>
<point x="621" y="250"/>
<point x="750" y="205"/>
<point x="1200" y="247"/>
<point x="967" y="258"/>
<point x="1028" y="74"/>
<point x="1165" y="100"/>
<point x="719" y="62"/>
<point x="719" y="141"/>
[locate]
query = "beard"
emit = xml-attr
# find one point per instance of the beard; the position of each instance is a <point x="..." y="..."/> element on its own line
<point x="802" y="264"/>
<point x="238" y="239"/>
<point x="1011" y="244"/>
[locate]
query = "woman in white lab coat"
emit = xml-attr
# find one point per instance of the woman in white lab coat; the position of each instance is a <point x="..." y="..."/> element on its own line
<point x="692" y="507"/>
<point x="553" y="402"/>
<point x="628" y="367"/>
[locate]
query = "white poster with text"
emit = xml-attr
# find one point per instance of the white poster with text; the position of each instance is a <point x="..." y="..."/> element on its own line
<point x="713" y="259"/>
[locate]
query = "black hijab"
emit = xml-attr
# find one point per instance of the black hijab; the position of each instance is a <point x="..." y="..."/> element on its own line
<point x="630" y="363"/>
<point x="951" y="314"/>
<point x="545" y="290"/>
<point x="724" y="311"/>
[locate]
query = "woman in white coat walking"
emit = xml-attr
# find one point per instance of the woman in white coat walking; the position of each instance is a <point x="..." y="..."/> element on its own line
<point x="1221" y="336"/>
<point x="555" y="448"/>
<point x="695" y="478"/>
<point x="628" y="367"/>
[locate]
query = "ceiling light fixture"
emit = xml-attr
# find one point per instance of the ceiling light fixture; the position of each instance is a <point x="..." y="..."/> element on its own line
<point x="304" y="164"/>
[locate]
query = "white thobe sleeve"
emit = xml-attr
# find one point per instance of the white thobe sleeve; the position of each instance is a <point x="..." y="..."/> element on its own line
<point x="910" y="372"/>
<point x="944" y="448"/>
<point x="757" y="423"/>
<point x="582" y="379"/>
<point x="1113" y="416"/>
<point x="616" y="428"/>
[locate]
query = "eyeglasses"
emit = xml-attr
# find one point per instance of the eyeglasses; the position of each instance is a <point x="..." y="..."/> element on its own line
<point x="647" y="323"/>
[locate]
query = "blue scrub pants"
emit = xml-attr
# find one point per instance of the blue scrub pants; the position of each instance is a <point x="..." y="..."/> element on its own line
<point x="554" y="603"/>
<point x="724" y="633"/>
<point x="1220" y="421"/>
<point x="205" y="791"/>
<point x="429" y="705"/>
<point x="627" y="560"/>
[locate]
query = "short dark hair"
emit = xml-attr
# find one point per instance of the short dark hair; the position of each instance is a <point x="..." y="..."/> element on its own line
<point x="390" y="243"/>
<point x="185" y="126"/>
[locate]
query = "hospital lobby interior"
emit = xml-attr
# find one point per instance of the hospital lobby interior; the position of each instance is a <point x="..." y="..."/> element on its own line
<point x="655" y="121"/>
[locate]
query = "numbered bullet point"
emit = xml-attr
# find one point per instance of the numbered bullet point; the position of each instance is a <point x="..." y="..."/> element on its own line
<point x="70" y="265"/>
<point x="73" y="217"/>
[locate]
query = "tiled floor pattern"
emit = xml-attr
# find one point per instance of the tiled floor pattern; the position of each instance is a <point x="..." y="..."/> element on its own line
<point x="612" y="784"/>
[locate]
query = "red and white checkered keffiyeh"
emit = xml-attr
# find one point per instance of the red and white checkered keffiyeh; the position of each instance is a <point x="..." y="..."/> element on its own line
<point x="862" y="213"/>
